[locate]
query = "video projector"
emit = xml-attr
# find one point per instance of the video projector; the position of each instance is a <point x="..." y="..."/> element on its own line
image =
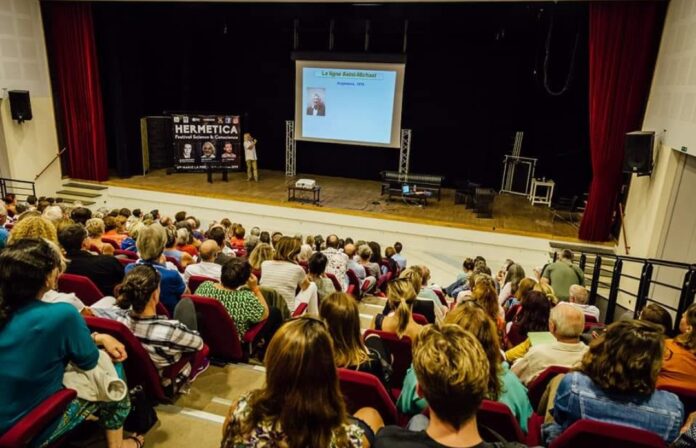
<point x="307" y="184"/>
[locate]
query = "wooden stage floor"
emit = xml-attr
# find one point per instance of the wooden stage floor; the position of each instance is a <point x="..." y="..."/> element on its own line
<point x="511" y="214"/>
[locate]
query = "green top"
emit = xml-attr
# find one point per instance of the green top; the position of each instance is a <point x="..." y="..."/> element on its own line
<point x="562" y="275"/>
<point x="242" y="305"/>
<point x="514" y="395"/>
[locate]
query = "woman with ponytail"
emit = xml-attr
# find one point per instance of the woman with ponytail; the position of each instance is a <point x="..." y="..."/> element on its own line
<point x="164" y="339"/>
<point x="401" y="297"/>
<point x="38" y="340"/>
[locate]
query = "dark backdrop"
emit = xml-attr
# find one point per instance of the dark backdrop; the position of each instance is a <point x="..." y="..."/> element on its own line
<point x="474" y="76"/>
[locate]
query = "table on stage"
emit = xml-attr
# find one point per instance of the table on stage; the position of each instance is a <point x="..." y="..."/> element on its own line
<point x="316" y="194"/>
<point x="543" y="199"/>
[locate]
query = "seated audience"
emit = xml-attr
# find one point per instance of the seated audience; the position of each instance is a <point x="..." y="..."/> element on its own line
<point x="376" y="257"/>
<point x="33" y="227"/>
<point x="371" y="269"/>
<point x="301" y="404"/>
<point x="526" y="284"/>
<point x="284" y="275"/>
<point x="164" y="339"/>
<point x="95" y="231"/>
<point x="306" y="251"/>
<point x="217" y="234"/>
<point x="115" y="228"/>
<point x="427" y="292"/>
<point x="151" y="241"/>
<point x="239" y="293"/>
<point x="453" y="373"/>
<point x="462" y="278"/>
<point x="33" y="367"/>
<point x="400" y="259"/>
<point x="562" y="274"/>
<point x="317" y="275"/>
<point x="338" y="261"/>
<point x="128" y="242"/>
<point x="350" y="250"/>
<point x="104" y="270"/>
<point x="503" y="385"/>
<point x="237" y="241"/>
<point x="400" y="299"/>
<point x="207" y="266"/>
<point x="170" y="250"/>
<point x="616" y="384"/>
<point x="515" y="274"/>
<point x="185" y="241"/>
<point x="265" y="237"/>
<point x="261" y="253"/>
<point x="80" y="215"/>
<point x="679" y="363"/>
<point x="485" y="296"/>
<point x="578" y="297"/>
<point x="566" y="324"/>
<point x="533" y="316"/>
<point x="340" y="311"/>
<point x="654" y="313"/>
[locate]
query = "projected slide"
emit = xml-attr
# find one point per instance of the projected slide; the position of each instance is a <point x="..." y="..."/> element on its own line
<point x="344" y="102"/>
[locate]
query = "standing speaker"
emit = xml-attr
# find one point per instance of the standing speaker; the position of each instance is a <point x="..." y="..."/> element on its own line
<point x="638" y="152"/>
<point x="20" y="105"/>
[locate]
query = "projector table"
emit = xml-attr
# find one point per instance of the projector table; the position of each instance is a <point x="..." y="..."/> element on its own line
<point x="316" y="194"/>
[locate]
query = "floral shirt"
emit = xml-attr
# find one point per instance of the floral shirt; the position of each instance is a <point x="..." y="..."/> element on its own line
<point x="242" y="305"/>
<point x="269" y="434"/>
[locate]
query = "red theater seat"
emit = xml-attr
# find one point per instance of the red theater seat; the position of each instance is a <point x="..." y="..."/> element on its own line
<point x="400" y="350"/>
<point x="595" y="434"/>
<point x="536" y="388"/>
<point x="196" y="280"/>
<point x="81" y="286"/>
<point x="362" y="389"/>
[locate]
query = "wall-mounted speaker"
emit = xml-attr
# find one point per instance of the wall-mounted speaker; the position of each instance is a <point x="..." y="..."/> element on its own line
<point x="638" y="152"/>
<point x="20" y="105"/>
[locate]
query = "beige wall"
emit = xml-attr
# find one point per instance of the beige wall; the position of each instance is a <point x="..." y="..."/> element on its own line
<point x="26" y="148"/>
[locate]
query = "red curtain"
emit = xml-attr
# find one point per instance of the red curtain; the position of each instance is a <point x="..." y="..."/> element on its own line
<point x="623" y="40"/>
<point x="74" y="58"/>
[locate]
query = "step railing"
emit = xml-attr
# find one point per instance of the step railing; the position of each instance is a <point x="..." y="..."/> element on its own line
<point x="20" y="188"/>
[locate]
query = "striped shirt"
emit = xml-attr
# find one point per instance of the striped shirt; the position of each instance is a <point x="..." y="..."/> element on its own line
<point x="242" y="305"/>
<point x="284" y="277"/>
<point x="162" y="338"/>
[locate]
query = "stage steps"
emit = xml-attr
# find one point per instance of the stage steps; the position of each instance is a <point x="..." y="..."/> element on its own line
<point x="85" y="192"/>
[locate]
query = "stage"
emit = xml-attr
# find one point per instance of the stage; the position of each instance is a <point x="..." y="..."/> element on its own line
<point x="512" y="214"/>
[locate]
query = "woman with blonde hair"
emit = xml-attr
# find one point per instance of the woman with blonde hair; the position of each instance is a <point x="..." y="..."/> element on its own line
<point x="485" y="295"/>
<point x="616" y="384"/>
<point x="33" y="227"/>
<point x="679" y="363"/>
<point x="401" y="296"/>
<point x="261" y="253"/>
<point x="283" y="274"/>
<point x="301" y="404"/>
<point x="503" y="385"/>
<point x="340" y="312"/>
<point x="95" y="231"/>
<point x="548" y="291"/>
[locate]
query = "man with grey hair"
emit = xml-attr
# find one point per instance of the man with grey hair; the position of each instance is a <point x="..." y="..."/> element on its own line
<point x="207" y="267"/>
<point x="577" y="296"/>
<point x="566" y="324"/>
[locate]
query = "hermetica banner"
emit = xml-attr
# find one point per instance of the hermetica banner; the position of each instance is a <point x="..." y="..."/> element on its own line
<point x="202" y="141"/>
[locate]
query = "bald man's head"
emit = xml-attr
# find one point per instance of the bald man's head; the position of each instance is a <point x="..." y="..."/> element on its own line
<point x="332" y="241"/>
<point x="566" y="321"/>
<point x="349" y="249"/>
<point x="209" y="250"/>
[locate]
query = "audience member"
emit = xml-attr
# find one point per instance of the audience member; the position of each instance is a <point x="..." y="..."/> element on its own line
<point x="654" y="313"/>
<point x="462" y="278"/>
<point x="400" y="296"/>
<point x="217" y="234"/>
<point x="515" y="274"/>
<point x="562" y="274"/>
<point x="616" y="384"/>
<point x="371" y="269"/>
<point x="453" y="374"/>
<point x="237" y="240"/>
<point x="301" y="404"/>
<point x="207" y="266"/>
<point x="526" y="284"/>
<point x="350" y="249"/>
<point x="533" y="316"/>
<point x="566" y="324"/>
<point x="400" y="259"/>
<point x="261" y="253"/>
<point x="679" y="363"/>
<point x="53" y="213"/>
<point x="151" y="241"/>
<point x="164" y="339"/>
<point x="128" y="242"/>
<point x="95" y="232"/>
<point x="265" y="237"/>
<point x="485" y="296"/>
<point x="340" y="311"/>
<point x="503" y="385"/>
<point x="427" y="292"/>
<point x="376" y="256"/>
<point x="284" y="275"/>
<point x="80" y="215"/>
<point x="185" y="242"/>
<point x="39" y="339"/>
<point x="239" y="293"/>
<point x="33" y="227"/>
<point x="306" y="251"/>
<point x="115" y="228"/>
<point x="104" y="270"/>
<point x="337" y="261"/>
<point x="578" y="297"/>
<point x="317" y="274"/>
<point x="182" y="258"/>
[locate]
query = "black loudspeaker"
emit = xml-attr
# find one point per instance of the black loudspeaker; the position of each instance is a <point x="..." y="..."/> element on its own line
<point x="638" y="152"/>
<point x="20" y="105"/>
<point x="159" y="141"/>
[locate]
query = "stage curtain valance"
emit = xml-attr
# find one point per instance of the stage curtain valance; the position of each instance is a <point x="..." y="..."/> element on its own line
<point x="623" y="41"/>
<point x="79" y="92"/>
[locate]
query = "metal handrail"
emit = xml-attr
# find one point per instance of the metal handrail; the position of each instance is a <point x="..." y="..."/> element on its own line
<point x="5" y="188"/>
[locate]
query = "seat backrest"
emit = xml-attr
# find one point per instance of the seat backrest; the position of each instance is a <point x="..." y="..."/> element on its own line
<point x="592" y="433"/>
<point x="95" y="249"/>
<point x="195" y="281"/>
<point x="400" y="350"/>
<point x="355" y="282"/>
<point x="419" y="319"/>
<point x="335" y="282"/>
<point x="113" y="243"/>
<point x="37" y="420"/>
<point x="426" y="307"/>
<point x="300" y="309"/>
<point x="536" y="387"/>
<point x="382" y="281"/>
<point x="440" y="295"/>
<point x="127" y="253"/>
<point x="139" y="367"/>
<point x="217" y="329"/>
<point x="175" y="262"/>
<point x="512" y="312"/>
<point x="590" y="318"/>
<point x="498" y="417"/>
<point x="125" y="261"/>
<point x="81" y="286"/>
<point x="362" y="389"/>
<point x="687" y="397"/>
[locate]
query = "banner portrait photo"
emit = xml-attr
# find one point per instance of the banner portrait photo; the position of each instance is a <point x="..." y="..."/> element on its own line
<point x="201" y="141"/>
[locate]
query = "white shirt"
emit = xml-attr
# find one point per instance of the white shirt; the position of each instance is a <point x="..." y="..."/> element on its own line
<point x="284" y="277"/>
<point x="337" y="264"/>
<point x="250" y="150"/>
<point x="539" y="357"/>
<point x="204" y="269"/>
<point x="588" y="309"/>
